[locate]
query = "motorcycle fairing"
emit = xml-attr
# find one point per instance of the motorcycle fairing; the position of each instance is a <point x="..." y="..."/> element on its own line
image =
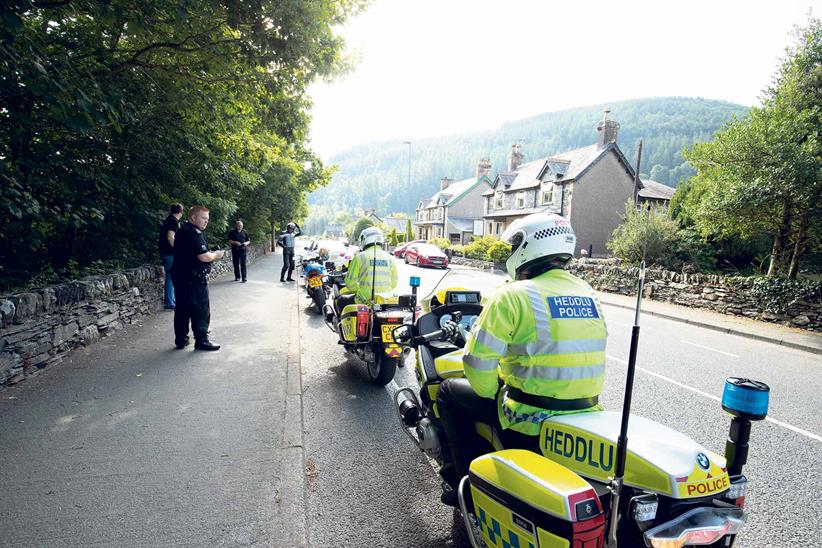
<point x="659" y="458"/>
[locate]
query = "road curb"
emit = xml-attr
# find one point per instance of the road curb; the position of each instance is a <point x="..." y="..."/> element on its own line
<point x="293" y="434"/>
<point x="721" y="329"/>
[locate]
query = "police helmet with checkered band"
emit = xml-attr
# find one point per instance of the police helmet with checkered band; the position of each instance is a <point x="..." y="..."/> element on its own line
<point x="538" y="237"/>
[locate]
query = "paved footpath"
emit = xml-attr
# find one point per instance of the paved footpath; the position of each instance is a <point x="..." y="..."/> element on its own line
<point x="133" y="443"/>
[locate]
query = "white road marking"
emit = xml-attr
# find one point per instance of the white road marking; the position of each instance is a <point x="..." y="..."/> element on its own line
<point x="709" y="348"/>
<point x="711" y="396"/>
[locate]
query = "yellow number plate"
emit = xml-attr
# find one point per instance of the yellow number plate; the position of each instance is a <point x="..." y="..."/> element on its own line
<point x="387" y="330"/>
<point x="316" y="281"/>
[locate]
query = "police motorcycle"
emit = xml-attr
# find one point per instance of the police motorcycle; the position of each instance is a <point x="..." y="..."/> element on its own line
<point x="365" y="330"/>
<point x="586" y="487"/>
<point x="317" y="289"/>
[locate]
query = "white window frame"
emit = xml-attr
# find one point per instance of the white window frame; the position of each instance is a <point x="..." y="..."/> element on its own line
<point x="498" y="200"/>
<point x="547" y="188"/>
<point x="521" y="200"/>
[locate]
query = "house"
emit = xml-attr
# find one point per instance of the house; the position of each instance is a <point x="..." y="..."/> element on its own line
<point x="654" y="194"/>
<point x="396" y="223"/>
<point x="451" y="212"/>
<point x="589" y="186"/>
<point x="334" y="230"/>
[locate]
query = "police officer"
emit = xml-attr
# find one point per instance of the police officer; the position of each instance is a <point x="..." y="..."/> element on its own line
<point x="537" y="349"/>
<point x="239" y="240"/>
<point x="287" y="242"/>
<point x="165" y="242"/>
<point x="371" y="271"/>
<point x="192" y="263"/>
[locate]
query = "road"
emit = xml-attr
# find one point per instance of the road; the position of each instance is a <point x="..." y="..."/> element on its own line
<point x="279" y="440"/>
<point x="373" y="487"/>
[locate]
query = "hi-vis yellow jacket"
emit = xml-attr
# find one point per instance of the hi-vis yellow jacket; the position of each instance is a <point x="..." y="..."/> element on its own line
<point x="371" y="267"/>
<point x="545" y="336"/>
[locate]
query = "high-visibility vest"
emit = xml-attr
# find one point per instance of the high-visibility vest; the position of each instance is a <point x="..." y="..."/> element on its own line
<point x="545" y="336"/>
<point x="371" y="267"/>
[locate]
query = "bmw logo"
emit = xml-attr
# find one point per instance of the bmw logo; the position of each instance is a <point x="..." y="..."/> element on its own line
<point x="702" y="461"/>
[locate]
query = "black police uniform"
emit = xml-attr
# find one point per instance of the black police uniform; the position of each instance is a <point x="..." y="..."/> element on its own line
<point x="238" y="252"/>
<point x="190" y="277"/>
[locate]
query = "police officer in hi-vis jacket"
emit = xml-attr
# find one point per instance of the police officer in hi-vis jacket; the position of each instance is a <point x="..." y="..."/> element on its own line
<point x="536" y="350"/>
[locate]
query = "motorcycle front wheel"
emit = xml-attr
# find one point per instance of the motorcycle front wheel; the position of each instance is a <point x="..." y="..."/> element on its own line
<point x="382" y="370"/>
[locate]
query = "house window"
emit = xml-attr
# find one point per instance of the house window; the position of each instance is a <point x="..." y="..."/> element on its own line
<point x="490" y="228"/>
<point x="498" y="227"/>
<point x="548" y="193"/>
<point x="520" y="200"/>
<point x="498" y="205"/>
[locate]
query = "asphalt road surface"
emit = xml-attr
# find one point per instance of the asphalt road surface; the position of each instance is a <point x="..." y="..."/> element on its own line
<point x="371" y="486"/>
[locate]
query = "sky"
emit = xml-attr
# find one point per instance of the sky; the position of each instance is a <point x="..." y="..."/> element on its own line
<point x="427" y="68"/>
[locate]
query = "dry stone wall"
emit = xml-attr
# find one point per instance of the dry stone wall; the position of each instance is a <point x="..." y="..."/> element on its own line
<point x="736" y="296"/>
<point x="40" y="326"/>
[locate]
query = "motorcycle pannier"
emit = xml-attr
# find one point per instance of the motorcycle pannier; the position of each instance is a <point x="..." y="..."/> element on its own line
<point x="522" y="499"/>
<point x="355" y="323"/>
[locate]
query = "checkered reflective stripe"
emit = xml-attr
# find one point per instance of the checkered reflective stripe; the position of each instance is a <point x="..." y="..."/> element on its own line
<point x="553" y="231"/>
<point x="494" y="533"/>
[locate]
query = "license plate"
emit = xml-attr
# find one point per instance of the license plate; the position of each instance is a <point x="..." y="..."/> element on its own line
<point x="316" y="281"/>
<point x="387" y="330"/>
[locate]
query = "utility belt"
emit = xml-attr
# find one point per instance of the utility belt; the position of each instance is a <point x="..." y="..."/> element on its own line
<point x="200" y="275"/>
<point x="551" y="404"/>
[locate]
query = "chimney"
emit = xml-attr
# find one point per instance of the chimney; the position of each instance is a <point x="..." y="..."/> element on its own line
<point x="516" y="158"/>
<point x="607" y="130"/>
<point x="444" y="182"/>
<point x="483" y="167"/>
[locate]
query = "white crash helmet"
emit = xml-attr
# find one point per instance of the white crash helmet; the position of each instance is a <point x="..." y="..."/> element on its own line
<point x="371" y="235"/>
<point x="538" y="236"/>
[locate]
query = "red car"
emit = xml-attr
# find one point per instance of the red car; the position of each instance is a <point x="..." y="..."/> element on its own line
<point x="400" y="251"/>
<point x="426" y="255"/>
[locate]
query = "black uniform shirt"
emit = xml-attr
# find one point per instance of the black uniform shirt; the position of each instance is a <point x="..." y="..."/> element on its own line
<point x="188" y="243"/>
<point x="238" y="236"/>
<point x="171" y="223"/>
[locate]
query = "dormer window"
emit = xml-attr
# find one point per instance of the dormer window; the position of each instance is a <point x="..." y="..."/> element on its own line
<point x="547" y="193"/>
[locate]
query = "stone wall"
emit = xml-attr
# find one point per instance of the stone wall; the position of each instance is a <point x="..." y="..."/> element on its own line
<point x="40" y="326"/>
<point x="736" y="296"/>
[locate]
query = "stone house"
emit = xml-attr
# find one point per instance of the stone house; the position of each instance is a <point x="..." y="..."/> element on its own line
<point x="589" y="186"/>
<point x="451" y="212"/>
<point x="654" y="194"/>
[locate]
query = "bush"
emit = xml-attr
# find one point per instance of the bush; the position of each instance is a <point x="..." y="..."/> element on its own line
<point x="499" y="252"/>
<point x="775" y="294"/>
<point x="393" y="239"/>
<point x="478" y="248"/>
<point x="458" y="250"/>
<point x="441" y="243"/>
<point x="359" y="226"/>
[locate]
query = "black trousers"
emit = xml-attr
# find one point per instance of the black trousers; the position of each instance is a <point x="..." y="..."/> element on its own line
<point x="238" y="258"/>
<point x="192" y="308"/>
<point x="288" y="262"/>
<point x="460" y="408"/>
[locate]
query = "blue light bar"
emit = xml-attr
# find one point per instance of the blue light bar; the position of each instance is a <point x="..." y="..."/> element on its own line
<point x="745" y="398"/>
<point x="415" y="281"/>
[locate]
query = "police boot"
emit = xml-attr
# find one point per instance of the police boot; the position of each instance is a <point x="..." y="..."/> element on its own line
<point x="205" y="344"/>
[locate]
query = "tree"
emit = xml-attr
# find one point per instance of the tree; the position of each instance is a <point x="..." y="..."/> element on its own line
<point x="113" y="110"/>
<point x="393" y="240"/>
<point x="762" y="174"/>
<point x="648" y="235"/>
<point x="409" y="233"/>
<point x="359" y="226"/>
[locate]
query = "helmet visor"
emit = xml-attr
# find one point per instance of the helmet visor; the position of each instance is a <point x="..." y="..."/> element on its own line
<point x="514" y="235"/>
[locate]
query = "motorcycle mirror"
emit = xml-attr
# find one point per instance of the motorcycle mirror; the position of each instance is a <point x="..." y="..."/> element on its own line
<point x="403" y="334"/>
<point x="408" y="301"/>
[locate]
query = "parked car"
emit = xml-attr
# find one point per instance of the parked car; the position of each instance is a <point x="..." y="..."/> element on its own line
<point x="400" y="251"/>
<point x="426" y="255"/>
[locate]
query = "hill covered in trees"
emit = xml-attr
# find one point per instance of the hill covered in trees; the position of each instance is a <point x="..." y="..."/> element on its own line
<point x="375" y="175"/>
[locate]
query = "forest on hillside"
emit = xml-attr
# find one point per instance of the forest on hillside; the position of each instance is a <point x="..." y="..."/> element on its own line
<point x="376" y="175"/>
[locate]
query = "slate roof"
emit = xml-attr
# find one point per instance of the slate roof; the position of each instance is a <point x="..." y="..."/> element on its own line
<point x="460" y="224"/>
<point x="397" y="223"/>
<point x="451" y="193"/>
<point x="505" y="179"/>
<point x="653" y="190"/>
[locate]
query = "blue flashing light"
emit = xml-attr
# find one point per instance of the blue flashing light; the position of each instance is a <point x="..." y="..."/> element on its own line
<point x="746" y="398"/>
<point x="415" y="281"/>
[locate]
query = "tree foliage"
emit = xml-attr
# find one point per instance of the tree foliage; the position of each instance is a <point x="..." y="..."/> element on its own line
<point x="762" y="174"/>
<point x="113" y="110"/>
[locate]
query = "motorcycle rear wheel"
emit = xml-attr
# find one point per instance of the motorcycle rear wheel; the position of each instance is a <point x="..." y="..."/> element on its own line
<point x="319" y="299"/>
<point x="382" y="371"/>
